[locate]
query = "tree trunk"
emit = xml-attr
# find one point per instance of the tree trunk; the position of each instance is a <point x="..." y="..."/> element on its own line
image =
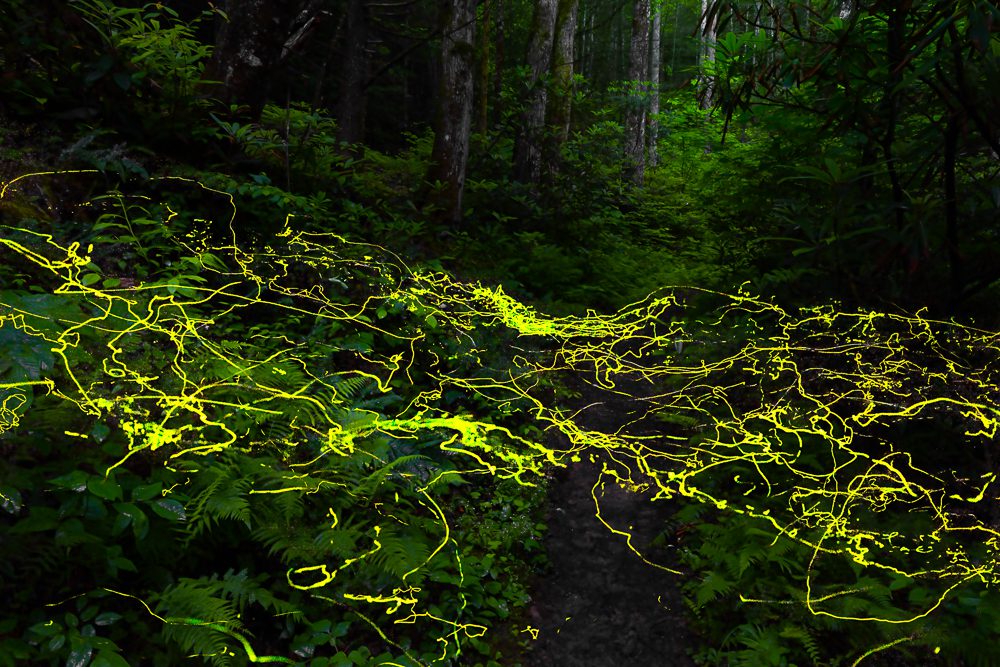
<point x="957" y="282"/>
<point x="483" y="70"/>
<point x="636" y="104"/>
<point x="653" y="126"/>
<point x="527" y="147"/>
<point x="454" y="118"/>
<point x="244" y="53"/>
<point x="352" y="100"/>
<point x="498" y="60"/>
<point x="708" y="34"/>
<point x="560" y="110"/>
<point x="256" y="38"/>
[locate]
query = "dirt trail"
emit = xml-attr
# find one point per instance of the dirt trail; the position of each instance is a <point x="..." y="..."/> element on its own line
<point x="600" y="605"/>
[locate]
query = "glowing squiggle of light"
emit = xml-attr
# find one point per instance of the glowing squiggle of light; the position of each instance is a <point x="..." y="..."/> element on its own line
<point x="796" y="404"/>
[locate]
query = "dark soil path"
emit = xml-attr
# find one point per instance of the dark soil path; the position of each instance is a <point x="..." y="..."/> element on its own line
<point x="600" y="605"/>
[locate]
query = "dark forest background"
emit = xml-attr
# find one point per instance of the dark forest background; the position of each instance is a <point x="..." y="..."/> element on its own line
<point x="582" y="154"/>
<point x="586" y="152"/>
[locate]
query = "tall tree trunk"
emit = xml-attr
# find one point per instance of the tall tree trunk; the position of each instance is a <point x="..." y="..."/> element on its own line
<point x="560" y="110"/>
<point x="673" y="44"/>
<point x="636" y="105"/>
<point x="483" y="69"/>
<point x="498" y="59"/>
<point x="250" y="45"/>
<point x="527" y="146"/>
<point x="454" y="118"/>
<point x="587" y="44"/>
<point x="352" y="100"/>
<point x="709" y="25"/>
<point x="655" y="59"/>
<point x="244" y="52"/>
<point x="957" y="282"/>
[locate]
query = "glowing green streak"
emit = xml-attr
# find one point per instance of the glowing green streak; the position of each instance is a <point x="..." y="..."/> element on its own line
<point x="788" y="408"/>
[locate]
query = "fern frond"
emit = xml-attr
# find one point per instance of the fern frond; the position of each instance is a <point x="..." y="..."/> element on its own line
<point x="193" y="600"/>
<point x="400" y="552"/>
<point x="289" y="543"/>
<point x="350" y="387"/>
<point x="405" y="464"/>
<point x="712" y="586"/>
<point x="805" y="638"/>
<point x="221" y="490"/>
<point x="245" y="590"/>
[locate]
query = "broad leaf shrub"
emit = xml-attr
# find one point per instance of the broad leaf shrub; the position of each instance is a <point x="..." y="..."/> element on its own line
<point x="134" y="68"/>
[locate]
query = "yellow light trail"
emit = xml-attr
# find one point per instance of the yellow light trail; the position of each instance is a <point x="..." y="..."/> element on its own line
<point x="796" y="411"/>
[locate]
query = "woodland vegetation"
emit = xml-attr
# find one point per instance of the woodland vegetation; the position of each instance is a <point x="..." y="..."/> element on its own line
<point x="577" y="155"/>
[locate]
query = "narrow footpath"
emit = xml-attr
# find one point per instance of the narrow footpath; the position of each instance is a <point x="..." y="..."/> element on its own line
<point x="599" y="604"/>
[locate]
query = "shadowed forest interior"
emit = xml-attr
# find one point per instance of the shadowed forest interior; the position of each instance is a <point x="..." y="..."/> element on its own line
<point x="499" y="333"/>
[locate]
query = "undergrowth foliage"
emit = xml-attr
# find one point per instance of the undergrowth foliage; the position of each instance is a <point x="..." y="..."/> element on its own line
<point x="309" y="452"/>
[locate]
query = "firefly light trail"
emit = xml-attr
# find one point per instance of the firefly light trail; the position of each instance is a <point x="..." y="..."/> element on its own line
<point x="790" y="406"/>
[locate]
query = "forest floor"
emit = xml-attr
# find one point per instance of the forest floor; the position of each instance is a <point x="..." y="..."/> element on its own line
<point x="599" y="604"/>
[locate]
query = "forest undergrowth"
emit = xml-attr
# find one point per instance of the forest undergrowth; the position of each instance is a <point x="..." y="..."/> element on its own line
<point x="318" y="409"/>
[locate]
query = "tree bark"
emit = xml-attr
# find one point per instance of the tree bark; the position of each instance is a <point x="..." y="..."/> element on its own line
<point x="454" y="118"/>
<point x="352" y="100"/>
<point x="252" y="42"/>
<point x="498" y="60"/>
<point x="653" y="126"/>
<point x="527" y="146"/>
<point x="957" y="279"/>
<point x="636" y="104"/>
<point x="483" y="69"/>
<point x="560" y="110"/>
<point x="708" y="34"/>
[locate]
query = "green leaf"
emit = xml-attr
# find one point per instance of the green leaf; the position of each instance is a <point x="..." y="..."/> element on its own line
<point x="46" y="629"/>
<point x="169" y="508"/>
<point x="10" y="499"/>
<point x="108" y="659"/>
<point x="72" y="532"/>
<point x="107" y="618"/>
<point x="147" y="491"/>
<point x="123" y="563"/>
<point x="123" y="80"/>
<point x="40" y="519"/>
<point x="100" y="432"/>
<point x="122" y="521"/>
<point x="212" y="261"/>
<point x="89" y="279"/>
<point x="26" y="357"/>
<point x="81" y="653"/>
<point x="75" y="481"/>
<point x="108" y="488"/>
<point x="138" y="519"/>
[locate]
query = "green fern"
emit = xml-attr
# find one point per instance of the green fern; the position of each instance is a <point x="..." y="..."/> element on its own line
<point x="764" y="647"/>
<point x="404" y="465"/>
<point x="350" y="387"/>
<point x="290" y="543"/>
<point x="712" y="585"/>
<point x="804" y="637"/>
<point x="190" y="604"/>
<point x="245" y="590"/>
<point x="219" y="494"/>
<point x="400" y="552"/>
